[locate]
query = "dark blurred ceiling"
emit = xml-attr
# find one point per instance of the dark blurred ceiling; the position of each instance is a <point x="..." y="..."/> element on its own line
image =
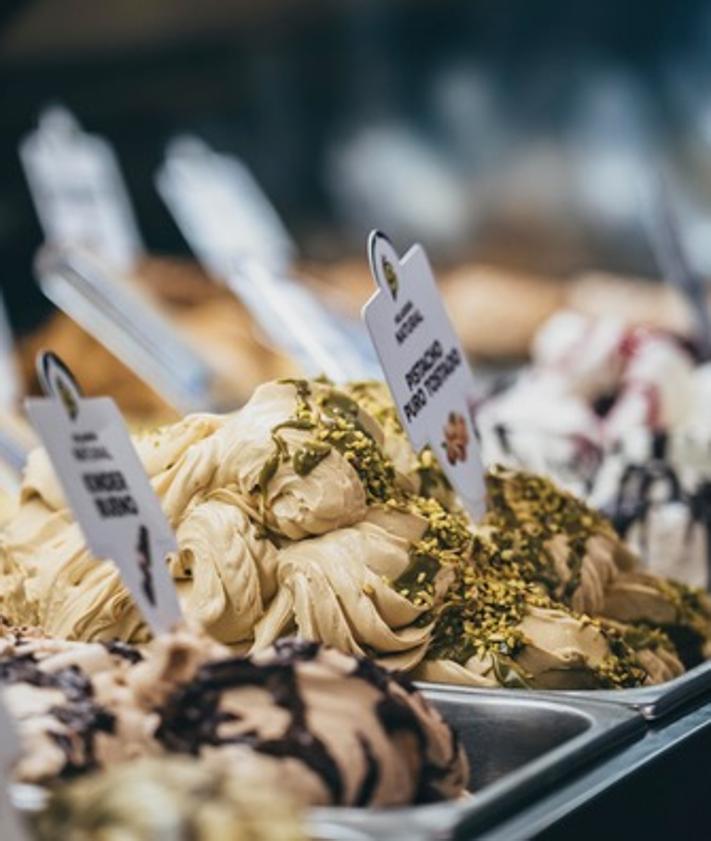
<point x="56" y="28"/>
<point x="283" y="82"/>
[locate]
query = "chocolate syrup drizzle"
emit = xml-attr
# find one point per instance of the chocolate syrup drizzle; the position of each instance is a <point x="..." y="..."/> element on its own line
<point x="636" y="498"/>
<point x="83" y="717"/>
<point x="124" y="650"/>
<point x="192" y="718"/>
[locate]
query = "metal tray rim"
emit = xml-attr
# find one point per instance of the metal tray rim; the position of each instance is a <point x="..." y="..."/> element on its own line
<point x="610" y="725"/>
<point x="653" y="702"/>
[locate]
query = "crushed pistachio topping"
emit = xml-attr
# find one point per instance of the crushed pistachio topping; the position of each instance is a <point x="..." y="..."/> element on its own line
<point x="691" y="603"/>
<point x="374" y="398"/>
<point x="341" y="426"/>
<point x="475" y="586"/>
<point x="620" y="669"/>
<point x="479" y="618"/>
<point x="334" y="420"/>
<point x="527" y="511"/>
<point x="483" y="616"/>
<point x="643" y="636"/>
<point x="441" y="552"/>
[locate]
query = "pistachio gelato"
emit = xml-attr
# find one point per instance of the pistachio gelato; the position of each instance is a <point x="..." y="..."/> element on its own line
<point x="307" y="513"/>
<point x="169" y="800"/>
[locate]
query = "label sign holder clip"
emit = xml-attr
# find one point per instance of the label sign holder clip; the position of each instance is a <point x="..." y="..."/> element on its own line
<point x="57" y="381"/>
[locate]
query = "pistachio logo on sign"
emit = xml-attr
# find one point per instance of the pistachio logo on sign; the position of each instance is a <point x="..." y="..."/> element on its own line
<point x="391" y="277"/>
<point x="456" y="438"/>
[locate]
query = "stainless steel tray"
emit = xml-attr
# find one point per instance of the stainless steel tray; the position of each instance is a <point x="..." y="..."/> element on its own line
<point x="518" y="743"/>
<point x="653" y="702"/>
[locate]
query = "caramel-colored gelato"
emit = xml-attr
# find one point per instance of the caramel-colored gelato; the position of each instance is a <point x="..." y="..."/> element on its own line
<point x="96" y="368"/>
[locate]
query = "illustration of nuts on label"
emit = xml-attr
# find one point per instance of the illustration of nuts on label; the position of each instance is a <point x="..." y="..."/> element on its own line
<point x="456" y="438"/>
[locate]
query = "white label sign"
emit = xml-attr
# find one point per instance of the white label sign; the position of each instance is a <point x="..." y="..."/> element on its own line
<point x="78" y="190"/>
<point x="107" y="489"/>
<point x="10" y="821"/>
<point x="239" y="238"/>
<point x="215" y="198"/>
<point x="425" y="365"/>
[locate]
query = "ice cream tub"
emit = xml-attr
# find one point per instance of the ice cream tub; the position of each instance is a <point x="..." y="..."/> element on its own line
<point x="518" y="744"/>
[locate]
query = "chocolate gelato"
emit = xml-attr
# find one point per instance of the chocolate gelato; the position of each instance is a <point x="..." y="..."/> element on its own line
<point x="327" y="728"/>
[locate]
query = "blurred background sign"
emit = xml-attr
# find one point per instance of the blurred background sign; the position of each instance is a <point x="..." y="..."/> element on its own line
<point x="510" y="135"/>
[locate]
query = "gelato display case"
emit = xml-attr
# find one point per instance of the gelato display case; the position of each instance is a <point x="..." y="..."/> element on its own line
<point x="355" y="448"/>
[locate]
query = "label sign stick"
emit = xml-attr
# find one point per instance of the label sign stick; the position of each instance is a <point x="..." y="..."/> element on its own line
<point x="667" y="244"/>
<point x="237" y="235"/>
<point x="425" y="365"/>
<point x="107" y="489"/>
<point x="78" y="190"/>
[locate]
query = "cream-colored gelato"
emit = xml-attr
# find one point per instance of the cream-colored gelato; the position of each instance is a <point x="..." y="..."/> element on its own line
<point x="326" y="593"/>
